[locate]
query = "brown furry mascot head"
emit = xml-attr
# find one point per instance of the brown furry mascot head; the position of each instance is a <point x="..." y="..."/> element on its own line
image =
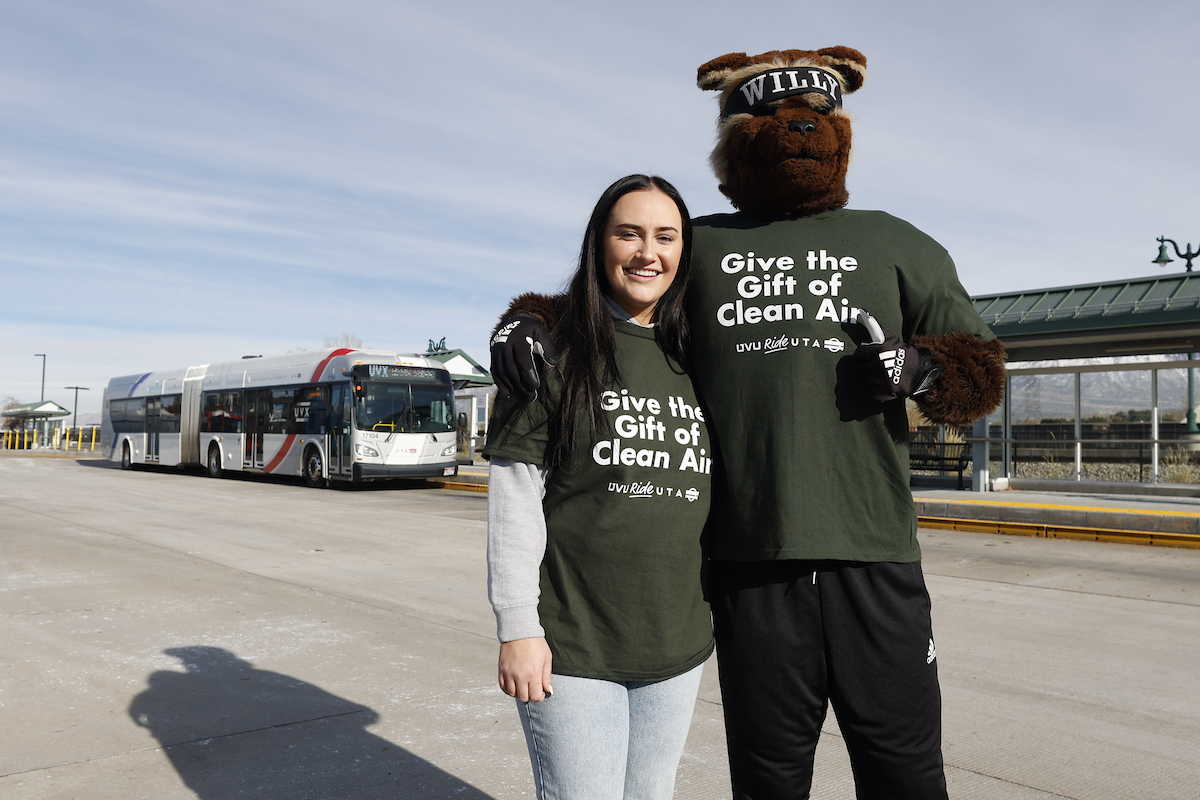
<point x="783" y="139"/>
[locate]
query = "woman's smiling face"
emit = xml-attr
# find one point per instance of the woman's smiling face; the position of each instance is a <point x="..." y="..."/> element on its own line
<point x="643" y="242"/>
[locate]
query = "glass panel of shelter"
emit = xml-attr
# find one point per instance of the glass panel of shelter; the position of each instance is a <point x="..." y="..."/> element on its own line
<point x="1042" y="418"/>
<point x="1104" y="430"/>
<point x="1116" y="412"/>
<point x="1177" y="457"/>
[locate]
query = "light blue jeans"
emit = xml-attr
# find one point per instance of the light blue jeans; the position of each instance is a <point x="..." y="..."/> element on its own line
<point x="609" y="740"/>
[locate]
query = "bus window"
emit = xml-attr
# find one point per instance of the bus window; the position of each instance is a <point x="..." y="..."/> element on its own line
<point x="383" y="407"/>
<point x="339" y="417"/>
<point x="169" y="413"/>
<point x="310" y="412"/>
<point x="279" y="416"/>
<point x="433" y="409"/>
<point x="222" y="412"/>
<point x="128" y="416"/>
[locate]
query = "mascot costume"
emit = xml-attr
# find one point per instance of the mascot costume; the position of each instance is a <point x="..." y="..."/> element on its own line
<point x="810" y="324"/>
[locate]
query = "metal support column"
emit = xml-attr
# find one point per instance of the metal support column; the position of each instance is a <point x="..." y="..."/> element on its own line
<point x="1078" y="430"/>
<point x="1154" y="423"/>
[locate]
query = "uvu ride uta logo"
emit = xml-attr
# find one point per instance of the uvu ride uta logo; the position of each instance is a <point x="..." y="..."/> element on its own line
<point x="648" y="489"/>
<point x="774" y="344"/>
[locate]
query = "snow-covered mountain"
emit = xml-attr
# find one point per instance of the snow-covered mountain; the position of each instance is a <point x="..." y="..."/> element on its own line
<point x="1102" y="394"/>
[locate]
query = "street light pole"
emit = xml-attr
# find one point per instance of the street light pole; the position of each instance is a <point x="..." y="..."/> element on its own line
<point x="75" y="413"/>
<point x="43" y="357"/>
<point x="1163" y="259"/>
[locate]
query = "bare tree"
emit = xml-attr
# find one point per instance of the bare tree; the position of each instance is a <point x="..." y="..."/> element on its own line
<point x="10" y="423"/>
<point x="345" y="340"/>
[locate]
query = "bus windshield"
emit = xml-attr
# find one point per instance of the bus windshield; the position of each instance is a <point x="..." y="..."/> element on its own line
<point x="404" y="408"/>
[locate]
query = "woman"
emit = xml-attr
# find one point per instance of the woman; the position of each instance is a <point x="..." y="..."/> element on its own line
<point x="603" y="483"/>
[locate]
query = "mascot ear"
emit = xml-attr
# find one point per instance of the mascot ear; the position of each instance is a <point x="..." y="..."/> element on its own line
<point x="847" y="62"/>
<point x="713" y="74"/>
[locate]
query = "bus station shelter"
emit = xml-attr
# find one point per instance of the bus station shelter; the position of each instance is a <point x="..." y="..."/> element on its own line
<point x="1100" y="388"/>
<point x="472" y="396"/>
<point x="36" y="416"/>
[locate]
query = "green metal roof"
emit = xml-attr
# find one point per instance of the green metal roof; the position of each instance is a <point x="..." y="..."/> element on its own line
<point x="1152" y="314"/>
<point x="464" y="370"/>
<point x="38" y="410"/>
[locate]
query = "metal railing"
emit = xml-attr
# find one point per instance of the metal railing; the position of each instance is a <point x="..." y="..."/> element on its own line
<point x="1078" y="444"/>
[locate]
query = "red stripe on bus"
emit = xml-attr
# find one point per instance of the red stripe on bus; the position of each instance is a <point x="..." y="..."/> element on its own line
<point x="283" y="451"/>
<point x="321" y="367"/>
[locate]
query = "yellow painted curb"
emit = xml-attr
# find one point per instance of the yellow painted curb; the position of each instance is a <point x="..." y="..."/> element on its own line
<point x="1106" y="509"/>
<point x="462" y="487"/>
<point x="1062" y="532"/>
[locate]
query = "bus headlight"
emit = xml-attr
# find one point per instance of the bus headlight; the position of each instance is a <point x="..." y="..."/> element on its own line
<point x="366" y="450"/>
<point x="449" y="450"/>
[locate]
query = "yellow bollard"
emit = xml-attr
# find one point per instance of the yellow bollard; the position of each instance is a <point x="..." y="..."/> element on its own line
<point x="93" y="438"/>
<point x="34" y="445"/>
<point x="67" y="443"/>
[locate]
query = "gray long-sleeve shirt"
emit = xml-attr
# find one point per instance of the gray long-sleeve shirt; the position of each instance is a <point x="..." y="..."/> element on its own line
<point x="517" y="538"/>
<point x="516" y="544"/>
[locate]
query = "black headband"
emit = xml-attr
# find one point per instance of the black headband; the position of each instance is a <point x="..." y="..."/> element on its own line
<point x="775" y="84"/>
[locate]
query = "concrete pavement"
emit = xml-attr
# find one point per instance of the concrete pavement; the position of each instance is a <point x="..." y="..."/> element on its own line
<point x="172" y="636"/>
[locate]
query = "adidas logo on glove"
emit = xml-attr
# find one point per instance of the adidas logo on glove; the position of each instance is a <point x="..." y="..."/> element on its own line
<point x="893" y="362"/>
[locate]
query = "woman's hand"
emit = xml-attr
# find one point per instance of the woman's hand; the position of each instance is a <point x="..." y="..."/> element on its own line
<point x="525" y="669"/>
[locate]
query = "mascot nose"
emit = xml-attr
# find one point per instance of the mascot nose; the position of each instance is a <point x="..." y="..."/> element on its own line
<point x="802" y="126"/>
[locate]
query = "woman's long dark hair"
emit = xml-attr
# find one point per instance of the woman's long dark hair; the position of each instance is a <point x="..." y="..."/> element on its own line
<point x="584" y="333"/>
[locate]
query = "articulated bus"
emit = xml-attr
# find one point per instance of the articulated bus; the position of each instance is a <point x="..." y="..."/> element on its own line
<point x="326" y="415"/>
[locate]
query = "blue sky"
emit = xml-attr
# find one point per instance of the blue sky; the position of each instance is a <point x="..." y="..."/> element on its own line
<point x="183" y="183"/>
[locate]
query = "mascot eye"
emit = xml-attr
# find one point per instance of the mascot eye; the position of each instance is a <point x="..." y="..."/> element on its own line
<point x="819" y="103"/>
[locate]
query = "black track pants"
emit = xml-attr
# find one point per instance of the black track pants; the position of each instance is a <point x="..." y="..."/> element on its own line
<point x="857" y="635"/>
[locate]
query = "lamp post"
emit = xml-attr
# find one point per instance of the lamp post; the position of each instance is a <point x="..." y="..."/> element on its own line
<point x="75" y="413"/>
<point x="1163" y="259"/>
<point x="43" y="357"/>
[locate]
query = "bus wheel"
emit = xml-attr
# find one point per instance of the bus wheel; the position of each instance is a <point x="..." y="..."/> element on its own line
<point x="214" y="462"/>
<point x="314" y="469"/>
<point x="126" y="457"/>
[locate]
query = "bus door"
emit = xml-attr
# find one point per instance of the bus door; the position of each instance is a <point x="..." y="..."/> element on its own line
<point x="153" y="427"/>
<point x="255" y="417"/>
<point x="340" y="461"/>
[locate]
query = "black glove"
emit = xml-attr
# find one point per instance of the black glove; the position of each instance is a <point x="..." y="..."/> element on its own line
<point x="888" y="368"/>
<point x="516" y="347"/>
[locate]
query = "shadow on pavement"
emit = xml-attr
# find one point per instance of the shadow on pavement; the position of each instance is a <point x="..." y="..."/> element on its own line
<point x="99" y="463"/>
<point x="388" y="484"/>
<point x="232" y="731"/>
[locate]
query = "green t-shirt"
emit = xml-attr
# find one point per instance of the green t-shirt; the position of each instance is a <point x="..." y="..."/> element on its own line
<point x="621" y="581"/>
<point x="810" y="467"/>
